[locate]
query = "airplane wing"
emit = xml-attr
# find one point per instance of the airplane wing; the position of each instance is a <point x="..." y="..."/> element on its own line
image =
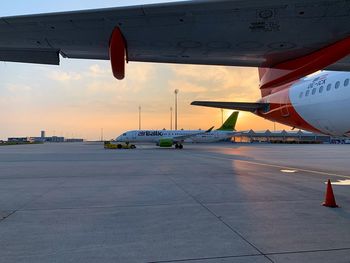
<point x="184" y="137"/>
<point x="242" y="106"/>
<point x="256" y="33"/>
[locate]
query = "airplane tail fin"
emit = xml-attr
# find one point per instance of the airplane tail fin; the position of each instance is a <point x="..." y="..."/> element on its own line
<point x="230" y="123"/>
<point x="208" y="131"/>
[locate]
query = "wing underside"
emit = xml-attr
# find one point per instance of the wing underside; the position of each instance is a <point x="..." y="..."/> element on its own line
<point x="236" y="33"/>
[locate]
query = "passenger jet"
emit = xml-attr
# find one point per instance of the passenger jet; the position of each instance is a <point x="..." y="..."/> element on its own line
<point x="168" y="138"/>
<point x="286" y="39"/>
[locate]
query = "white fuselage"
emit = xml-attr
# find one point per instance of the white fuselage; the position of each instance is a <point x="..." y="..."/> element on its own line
<point x="323" y="101"/>
<point x="214" y="136"/>
<point x="154" y="136"/>
<point x="319" y="103"/>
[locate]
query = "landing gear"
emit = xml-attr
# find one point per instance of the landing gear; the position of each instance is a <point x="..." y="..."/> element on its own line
<point x="179" y="146"/>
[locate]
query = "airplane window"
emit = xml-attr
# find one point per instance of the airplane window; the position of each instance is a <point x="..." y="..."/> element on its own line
<point x="346" y="82"/>
<point x="329" y="86"/>
<point x="337" y="85"/>
<point x="301" y="95"/>
<point x="313" y="91"/>
<point x="307" y="93"/>
<point x="321" y="89"/>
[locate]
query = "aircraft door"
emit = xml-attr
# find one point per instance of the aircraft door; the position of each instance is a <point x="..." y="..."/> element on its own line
<point x="284" y="104"/>
<point x="216" y="135"/>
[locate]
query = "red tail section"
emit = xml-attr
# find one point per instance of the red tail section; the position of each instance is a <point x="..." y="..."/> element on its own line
<point x="270" y="82"/>
<point x="262" y="72"/>
<point x="293" y="70"/>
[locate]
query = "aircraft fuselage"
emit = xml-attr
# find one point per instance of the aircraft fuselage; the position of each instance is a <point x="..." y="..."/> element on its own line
<point x="318" y="103"/>
<point x="154" y="136"/>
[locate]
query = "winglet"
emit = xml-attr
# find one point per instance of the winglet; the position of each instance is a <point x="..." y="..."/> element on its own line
<point x="210" y="130"/>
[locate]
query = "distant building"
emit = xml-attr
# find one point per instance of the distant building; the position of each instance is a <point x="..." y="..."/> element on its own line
<point x="21" y="139"/>
<point x="74" y="140"/>
<point x="54" y="139"/>
<point x="282" y="137"/>
<point x="43" y="138"/>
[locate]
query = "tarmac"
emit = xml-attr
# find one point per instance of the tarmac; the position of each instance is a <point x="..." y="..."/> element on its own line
<point x="207" y="203"/>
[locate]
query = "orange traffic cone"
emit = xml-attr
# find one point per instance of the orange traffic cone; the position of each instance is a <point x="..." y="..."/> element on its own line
<point x="330" y="199"/>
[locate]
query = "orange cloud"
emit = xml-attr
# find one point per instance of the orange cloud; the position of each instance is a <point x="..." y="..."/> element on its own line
<point x="65" y="76"/>
<point x="88" y="98"/>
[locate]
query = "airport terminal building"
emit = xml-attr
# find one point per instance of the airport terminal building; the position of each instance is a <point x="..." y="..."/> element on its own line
<point x="297" y="137"/>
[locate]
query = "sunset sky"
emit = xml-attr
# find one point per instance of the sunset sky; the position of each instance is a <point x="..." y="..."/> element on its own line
<point x="80" y="97"/>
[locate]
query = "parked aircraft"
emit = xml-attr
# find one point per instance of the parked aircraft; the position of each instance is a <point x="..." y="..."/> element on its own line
<point x="286" y="39"/>
<point x="168" y="138"/>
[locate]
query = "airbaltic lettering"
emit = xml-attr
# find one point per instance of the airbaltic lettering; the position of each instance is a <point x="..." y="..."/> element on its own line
<point x="150" y="133"/>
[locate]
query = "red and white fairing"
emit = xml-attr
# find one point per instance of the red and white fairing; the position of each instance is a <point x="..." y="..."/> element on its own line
<point x="319" y="103"/>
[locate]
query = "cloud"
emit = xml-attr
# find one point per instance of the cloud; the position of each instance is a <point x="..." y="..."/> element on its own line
<point x="65" y="76"/>
<point x="80" y="96"/>
<point x="17" y="88"/>
<point x="216" y="82"/>
<point x="97" y="70"/>
<point x="138" y="76"/>
<point x="201" y="73"/>
<point x="185" y="86"/>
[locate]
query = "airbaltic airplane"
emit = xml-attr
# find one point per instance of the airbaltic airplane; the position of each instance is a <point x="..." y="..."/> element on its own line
<point x="286" y="39"/>
<point x="164" y="138"/>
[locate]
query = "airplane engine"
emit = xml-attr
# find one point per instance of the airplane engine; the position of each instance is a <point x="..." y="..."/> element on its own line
<point x="166" y="143"/>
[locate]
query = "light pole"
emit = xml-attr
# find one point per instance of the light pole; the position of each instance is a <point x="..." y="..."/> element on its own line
<point x="176" y="92"/>
<point x="171" y="118"/>
<point x="139" y="117"/>
<point x="222" y="116"/>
